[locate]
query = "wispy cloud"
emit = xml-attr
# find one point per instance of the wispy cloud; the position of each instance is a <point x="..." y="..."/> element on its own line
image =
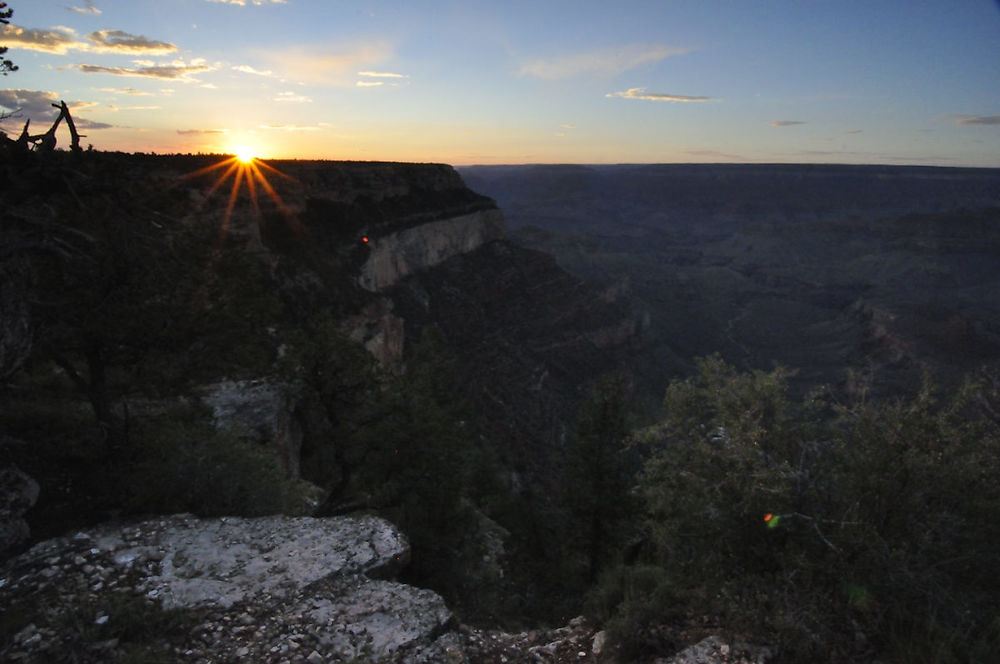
<point x="47" y="41"/>
<point x="247" y="69"/>
<point x="976" y="119"/>
<point x="117" y="41"/>
<point x="84" y="123"/>
<point x="785" y="123"/>
<point x="288" y="127"/>
<point x="323" y="65"/>
<point x="292" y="98"/>
<point x="244" y="3"/>
<point x="369" y="84"/>
<point x="609" y="61"/>
<point x="126" y="91"/>
<point x="640" y="93"/>
<point x="381" y="74"/>
<point x="88" y="8"/>
<point x="112" y="107"/>
<point x="853" y="131"/>
<point x="198" y="132"/>
<point x="176" y="70"/>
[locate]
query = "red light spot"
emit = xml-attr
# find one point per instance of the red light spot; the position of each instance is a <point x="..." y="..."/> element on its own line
<point x="365" y="239"/>
<point x="768" y="516"/>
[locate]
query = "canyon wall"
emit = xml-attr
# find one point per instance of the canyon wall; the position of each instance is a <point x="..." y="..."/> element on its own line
<point x="410" y="250"/>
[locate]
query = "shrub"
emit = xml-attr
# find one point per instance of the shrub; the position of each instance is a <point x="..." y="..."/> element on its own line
<point x="835" y="532"/>
<point x="186" y="465"/>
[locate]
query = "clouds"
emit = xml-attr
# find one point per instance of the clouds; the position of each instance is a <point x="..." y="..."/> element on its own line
<point x="58" y="42"/>
<point x="607" y="62"/>
<point x="200" y="132"/>
<point x="32" y="102"/>
<point x="61" y="40"/>
<point x="977" y="119"/>
<point x="292" y="98"/>
<point x="247" y="69"/>
<point x="177" y="70"/>
<point x="89" y="8"/>
<point x="288" y="127"/>
<point x="243" y="3"/>
<point x="640" y="93"/>
<point x="118" y="41"/>
<point x="393" y="79"/>
<point x="37" y="105"/>
<point x="126" y="91"/>
<point x="84" y="123"/>
<point x="785" y="123"/>
<point x="380" y="74"/>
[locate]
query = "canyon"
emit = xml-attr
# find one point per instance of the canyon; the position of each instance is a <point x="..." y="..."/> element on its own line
<point x="859" y="277"/>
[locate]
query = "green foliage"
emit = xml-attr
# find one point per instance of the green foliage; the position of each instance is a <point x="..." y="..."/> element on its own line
<point x="599" y="481"/>
<point x="184" y="464"/>
<point x="397" y="444"/>
<point x="834" y="532"/>
<point x="419" y="454"/>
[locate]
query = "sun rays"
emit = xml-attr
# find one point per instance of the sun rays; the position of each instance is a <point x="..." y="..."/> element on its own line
<point x="245" y="170"/>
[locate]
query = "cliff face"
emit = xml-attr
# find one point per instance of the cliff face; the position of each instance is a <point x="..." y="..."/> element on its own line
<point x="411" y="250"/>
<point x="381" y="252"/>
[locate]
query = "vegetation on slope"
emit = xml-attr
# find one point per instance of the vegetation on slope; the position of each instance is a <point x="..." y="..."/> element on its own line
<point x="838" y="532"/>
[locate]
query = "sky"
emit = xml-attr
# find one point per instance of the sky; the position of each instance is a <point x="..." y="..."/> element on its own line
<point x="507" y="82"/>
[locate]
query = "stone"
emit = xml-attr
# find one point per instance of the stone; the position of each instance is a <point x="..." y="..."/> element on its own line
<point x="597" y="645"/>
<point x="261" y="410"/>
<point x="395" y="256"/>
<point x="317" y="586"/>
<point x="18" y="493"/>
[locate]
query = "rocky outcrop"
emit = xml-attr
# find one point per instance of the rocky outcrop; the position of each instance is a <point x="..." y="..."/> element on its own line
<point x="272" y="589"/>
<point x="714" y="650"/>
<point x="18" y="492"/>
<point x="262" y="411"/>
<point x="379" y="330"/>
<point x="413" y="249"/>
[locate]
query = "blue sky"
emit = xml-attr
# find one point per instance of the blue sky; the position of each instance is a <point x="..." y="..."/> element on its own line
<point x="903" y="82"/>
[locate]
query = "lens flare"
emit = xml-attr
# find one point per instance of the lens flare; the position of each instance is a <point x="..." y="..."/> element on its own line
<point x="244" y="154"/>
<point x="246" y="169"/>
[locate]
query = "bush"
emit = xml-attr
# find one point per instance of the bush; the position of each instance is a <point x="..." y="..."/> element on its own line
<point x="836" y="532"/>
<point x="186" y="465"/>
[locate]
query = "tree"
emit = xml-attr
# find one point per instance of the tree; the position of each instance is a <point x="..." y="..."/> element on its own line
<point x="598" y="478"/>
<point x="5" y="65"/>
<point x="835" y="532"/>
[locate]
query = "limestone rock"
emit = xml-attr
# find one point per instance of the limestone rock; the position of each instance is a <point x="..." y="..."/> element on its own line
<point x="713" y="650"/>
<point x="261" y="410"/>
<point x="270" y="589"/>
<point x="405" y="252"/>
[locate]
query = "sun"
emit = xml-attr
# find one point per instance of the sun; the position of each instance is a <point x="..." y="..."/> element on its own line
<point x="244" y="154"/>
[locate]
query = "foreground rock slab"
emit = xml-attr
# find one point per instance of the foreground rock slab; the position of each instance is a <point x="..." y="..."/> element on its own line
<point x="271" y="589"/>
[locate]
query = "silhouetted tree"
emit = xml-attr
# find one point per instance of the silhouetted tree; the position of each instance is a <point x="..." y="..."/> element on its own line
<point x="5" y="65"/>
<point x="599" y="481"/>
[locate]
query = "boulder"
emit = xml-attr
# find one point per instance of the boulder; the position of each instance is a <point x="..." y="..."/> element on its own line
<point x="267" y="589"/>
